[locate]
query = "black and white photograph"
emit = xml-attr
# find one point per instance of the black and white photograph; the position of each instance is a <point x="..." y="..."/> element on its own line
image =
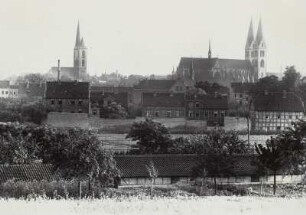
<point x="155" y="107"/>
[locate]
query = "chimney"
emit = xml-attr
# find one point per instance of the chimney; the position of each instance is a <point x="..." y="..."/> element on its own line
<point x="58" y="70"/>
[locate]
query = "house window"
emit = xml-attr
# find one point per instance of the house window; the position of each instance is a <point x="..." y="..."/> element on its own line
<point x="262" y="63"/>
<point x="190" y="114"/>
<point x="60" y="102"/>
<point x="262" y="53"/>
<point x="52" y="102"/>
<point x="278" y="116"/>
<point x="80" y="102"/>
<point x="190" y="105"/>
<point x="197" y="115"/>
<point x="197" y="105"/>
<point x="72" y="102"/>
<point x="80" y="111"/>
<point x="215" y="114"/>
<point x="278" y="128"/>
<point x="156" y="113"/>
<point x="168" y="114"/>
<point x="6" y="92"/>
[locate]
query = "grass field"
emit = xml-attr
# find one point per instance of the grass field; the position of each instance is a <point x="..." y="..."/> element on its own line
<point x="179" y="205"/>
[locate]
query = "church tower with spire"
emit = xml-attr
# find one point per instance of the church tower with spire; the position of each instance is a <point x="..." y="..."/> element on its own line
<point x="80" y="56"/>
<point x="256" y="50"/>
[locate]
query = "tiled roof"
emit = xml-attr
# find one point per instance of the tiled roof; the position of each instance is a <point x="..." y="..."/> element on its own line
<point x="198" y="63"/>
<point x="4" y="84"/>
<point x="119" y="98"/>
<point x="212" y="102"/>
<point x="155" y="84"/>
<point x="67" y="90"/>
<point x="111" y="89"/>
<point x="32" y="89"/>
<point x="163" y="100"/>
<point x="268" y="101"/>
<point x="234" y="64"/>
<point x="167" y="165"/>
<point x="174" y="165"/>
<point x="26" y="172"/>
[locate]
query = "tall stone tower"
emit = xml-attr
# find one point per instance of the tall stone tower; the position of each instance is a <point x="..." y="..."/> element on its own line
<point x="80" y="57"/>
<point x="256" y="50"/>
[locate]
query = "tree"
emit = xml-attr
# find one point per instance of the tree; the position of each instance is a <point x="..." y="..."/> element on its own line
<point x="153" y="174"/>
<point x="77" y="153"/>
<point x="270" y="157"/>
<point x="16" y="144"/>
<point x="152" y="137"/>
<point x="291" y="78"/>
<point x="34" y="78"/>
<point x="218" y="154"/>
<point x="113" y="111"/>
<point x="268" y="83"/>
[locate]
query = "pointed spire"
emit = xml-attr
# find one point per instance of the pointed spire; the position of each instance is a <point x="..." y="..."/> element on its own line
<point x="82" y="44"/>
<point x="78" y="36"/>
<point x="250" y="38"/>
<point x="259" y="36"/>
<point x="209" y="51"/>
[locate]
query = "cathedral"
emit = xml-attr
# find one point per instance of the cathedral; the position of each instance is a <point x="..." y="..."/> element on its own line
<point x="227" y="71"/>
<point x="79" y="70"/>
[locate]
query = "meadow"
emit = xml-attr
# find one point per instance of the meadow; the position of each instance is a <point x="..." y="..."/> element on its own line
<point x="145" y="205"/>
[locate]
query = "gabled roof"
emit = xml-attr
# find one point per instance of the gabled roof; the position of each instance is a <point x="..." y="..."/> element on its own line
<point x="210" y="102"/>
<point x="197" y="63"/>
<point x="119" y="97"/>
<point x="175" y="165"/>
<point x="67" y="90"/>
<point x="26" y="172"/>
<point x="155" y="85"/>
<point x="167" y="165"/>
<point x="277" y="101"/>
<point x="110" y="89"/>
<point x="234" y="64"/>
<point x="4" y="84"/>
<point x="163" y="100"/>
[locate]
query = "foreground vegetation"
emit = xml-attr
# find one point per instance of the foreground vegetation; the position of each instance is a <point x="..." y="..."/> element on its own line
<point x="160" y="205"/>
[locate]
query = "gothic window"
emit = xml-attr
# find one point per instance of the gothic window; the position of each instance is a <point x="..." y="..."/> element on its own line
<point x="262" y="63"/>
<point x="262" y="53"/>
<point x="83" y="63"/>
<point x="83" y="54"/>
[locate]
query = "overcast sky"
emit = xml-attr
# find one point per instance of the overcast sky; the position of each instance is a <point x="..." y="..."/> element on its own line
<point x="145" y="37"/>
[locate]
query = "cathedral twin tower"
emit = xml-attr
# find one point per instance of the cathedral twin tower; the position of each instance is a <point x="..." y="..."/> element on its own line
<point x="256" y="50"/>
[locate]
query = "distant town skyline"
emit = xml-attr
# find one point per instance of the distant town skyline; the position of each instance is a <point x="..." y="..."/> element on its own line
<point x="146" y="37"/>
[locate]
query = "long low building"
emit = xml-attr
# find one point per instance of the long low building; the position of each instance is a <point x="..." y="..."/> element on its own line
<point x="172" y="168"/>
